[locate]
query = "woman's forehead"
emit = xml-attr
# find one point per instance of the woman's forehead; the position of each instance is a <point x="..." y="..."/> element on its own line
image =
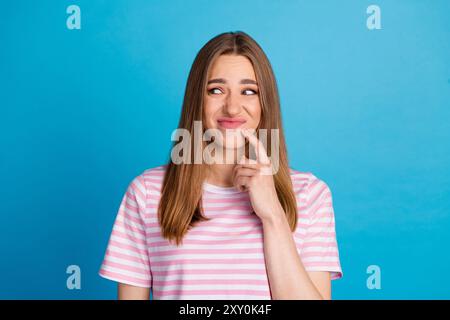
<point x="232" y="68"/>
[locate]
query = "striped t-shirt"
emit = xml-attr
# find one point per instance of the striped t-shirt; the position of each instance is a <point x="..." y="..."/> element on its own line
<point x="222" y="258"/>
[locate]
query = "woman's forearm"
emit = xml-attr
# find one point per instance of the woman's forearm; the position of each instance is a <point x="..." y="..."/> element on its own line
<point x="288" y="278"/>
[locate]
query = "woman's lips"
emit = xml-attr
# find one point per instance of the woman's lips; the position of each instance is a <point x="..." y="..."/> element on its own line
<point x="230" y="123"/>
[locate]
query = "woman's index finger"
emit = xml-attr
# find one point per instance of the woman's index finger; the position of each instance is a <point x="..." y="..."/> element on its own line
<point x="261" y="154"/>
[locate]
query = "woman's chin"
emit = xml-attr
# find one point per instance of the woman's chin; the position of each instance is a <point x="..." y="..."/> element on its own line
<point x="233" y="144"/>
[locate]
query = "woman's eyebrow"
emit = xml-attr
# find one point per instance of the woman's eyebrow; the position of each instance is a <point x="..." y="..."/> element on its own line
<point x="248" y="81"/>
<point x="222" y="80"/>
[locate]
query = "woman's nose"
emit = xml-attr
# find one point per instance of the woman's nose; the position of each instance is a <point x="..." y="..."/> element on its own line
<point x="233" y="105"/>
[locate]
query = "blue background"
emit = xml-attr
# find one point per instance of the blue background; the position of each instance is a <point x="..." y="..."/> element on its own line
<point x="85" y="111"/>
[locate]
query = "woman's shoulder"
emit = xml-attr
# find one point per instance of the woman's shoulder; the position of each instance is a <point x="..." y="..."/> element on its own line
<point x="154" y="172"/>
<point x="151" y="179"/>
<point x="307" y="183"/>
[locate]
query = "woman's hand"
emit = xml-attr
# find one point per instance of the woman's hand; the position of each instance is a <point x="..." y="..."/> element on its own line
<point x="256" y="177"/>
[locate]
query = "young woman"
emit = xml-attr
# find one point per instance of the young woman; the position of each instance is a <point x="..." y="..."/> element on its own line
<point x="226" y="229"/>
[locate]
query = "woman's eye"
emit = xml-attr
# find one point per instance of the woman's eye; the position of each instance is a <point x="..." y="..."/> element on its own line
<point x="215" y="90"/>
<point x="250" y="92"/>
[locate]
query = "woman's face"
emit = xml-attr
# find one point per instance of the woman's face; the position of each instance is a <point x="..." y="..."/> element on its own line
<point x="231" y="100"/>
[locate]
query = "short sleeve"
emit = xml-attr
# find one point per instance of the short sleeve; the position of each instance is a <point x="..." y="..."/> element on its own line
<point x="319" y="248"/>
<point x="126" y="259"/>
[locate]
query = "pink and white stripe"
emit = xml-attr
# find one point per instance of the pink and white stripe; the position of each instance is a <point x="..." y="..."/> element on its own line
<point x="222" y="258"/>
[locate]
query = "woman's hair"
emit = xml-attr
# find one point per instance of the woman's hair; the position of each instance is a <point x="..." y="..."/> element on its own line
<point x="180" y="205"/>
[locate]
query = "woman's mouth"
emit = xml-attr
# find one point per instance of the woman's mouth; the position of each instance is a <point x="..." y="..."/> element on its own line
<point x="230" y="123"/>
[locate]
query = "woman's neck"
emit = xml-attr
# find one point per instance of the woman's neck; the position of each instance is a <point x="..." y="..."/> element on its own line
<point x="221" y="175"/>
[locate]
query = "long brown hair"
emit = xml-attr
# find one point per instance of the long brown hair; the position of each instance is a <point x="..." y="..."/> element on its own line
<point x="180" y="204"/>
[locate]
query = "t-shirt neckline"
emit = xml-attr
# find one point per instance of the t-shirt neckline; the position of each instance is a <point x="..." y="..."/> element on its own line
<point x="218" y="189"/>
